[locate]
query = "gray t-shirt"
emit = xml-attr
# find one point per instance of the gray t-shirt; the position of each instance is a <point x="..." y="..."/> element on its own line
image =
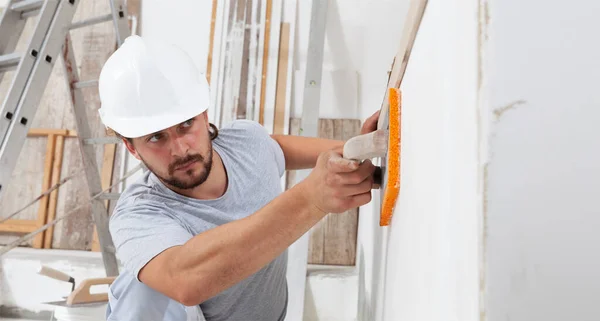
<point x="149" y="218"/>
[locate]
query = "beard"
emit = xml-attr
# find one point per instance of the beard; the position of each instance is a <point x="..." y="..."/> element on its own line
<point x="191" y="180"/>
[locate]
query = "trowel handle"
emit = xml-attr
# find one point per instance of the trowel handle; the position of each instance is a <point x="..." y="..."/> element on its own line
<point x="55" y="274"/>
<point x="366" y="146"/>
<point x="82" y="292"/>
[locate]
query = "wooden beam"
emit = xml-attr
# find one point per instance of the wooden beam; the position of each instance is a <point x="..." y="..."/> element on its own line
<point x="36" y="132"/>
<point x="38" y="241"/>
<point x="19" y="226"/>
<point x="332" y="241"/>
<point x="265" y="62"/>
<point x="282" y="70"/>
<point x="213" y="20"/>
<point x="56" y="173"/>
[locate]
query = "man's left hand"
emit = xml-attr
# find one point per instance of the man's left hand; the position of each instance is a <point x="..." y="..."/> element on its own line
<point x="370" y="124"/>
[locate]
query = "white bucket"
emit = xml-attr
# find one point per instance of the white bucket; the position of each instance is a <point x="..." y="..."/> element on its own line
<point x="82" y="313"/>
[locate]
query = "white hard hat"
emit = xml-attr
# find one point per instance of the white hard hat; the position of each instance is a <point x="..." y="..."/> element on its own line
<point x="146" y="86"/>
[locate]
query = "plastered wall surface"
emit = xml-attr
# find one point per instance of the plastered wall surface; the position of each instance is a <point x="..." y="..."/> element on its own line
<point x="431" y="250"/>
<point x="543" y="173"/>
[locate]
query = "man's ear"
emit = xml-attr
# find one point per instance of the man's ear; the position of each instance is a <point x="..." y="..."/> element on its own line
<point x="130" y="148"/>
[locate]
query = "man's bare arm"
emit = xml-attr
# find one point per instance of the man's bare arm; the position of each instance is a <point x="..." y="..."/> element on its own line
<point x="219" y="258"/>
<point x="301" y="152"/>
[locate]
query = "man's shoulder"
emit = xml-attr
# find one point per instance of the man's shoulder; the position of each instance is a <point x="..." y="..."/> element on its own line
<point x="246" y="127"/>
<point x="142" y="193"/>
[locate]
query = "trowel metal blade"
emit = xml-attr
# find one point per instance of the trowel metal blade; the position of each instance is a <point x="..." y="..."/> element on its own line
<point x="77" y="305"/>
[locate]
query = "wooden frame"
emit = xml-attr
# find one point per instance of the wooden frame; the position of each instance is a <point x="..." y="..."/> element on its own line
<point x="47" y="204"/>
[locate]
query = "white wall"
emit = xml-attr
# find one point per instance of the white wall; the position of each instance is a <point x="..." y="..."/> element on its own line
<point x="432" y="250"/>
<point x="544" y="155"/>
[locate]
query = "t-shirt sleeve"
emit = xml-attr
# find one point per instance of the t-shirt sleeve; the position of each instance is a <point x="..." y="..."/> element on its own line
<point x="141" y="231"/>
<point x="261" y="134"/>
<point x="278" y="154"/>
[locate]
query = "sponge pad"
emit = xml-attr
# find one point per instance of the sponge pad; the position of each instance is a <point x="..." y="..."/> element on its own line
<point x="393" y="158"/>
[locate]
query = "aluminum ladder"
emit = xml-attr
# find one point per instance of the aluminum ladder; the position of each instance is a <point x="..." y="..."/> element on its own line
<point x="50" y="39"/>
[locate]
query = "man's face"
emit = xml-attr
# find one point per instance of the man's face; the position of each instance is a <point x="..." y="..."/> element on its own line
<point x="181" y="155"/>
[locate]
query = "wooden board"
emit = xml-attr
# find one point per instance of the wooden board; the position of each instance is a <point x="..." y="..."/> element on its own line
<point x="333" y="239"/>
<point x="56" y="176"/>
<point x="242" y="104"/>
<point x="211" y="44"/>
<point x="282" y="70"/>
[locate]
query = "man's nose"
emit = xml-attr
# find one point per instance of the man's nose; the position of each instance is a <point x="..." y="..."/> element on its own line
<point x="179" y="147"/>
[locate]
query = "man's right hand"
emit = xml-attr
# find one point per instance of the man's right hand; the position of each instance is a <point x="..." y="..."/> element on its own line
<point x="336" y="185"/>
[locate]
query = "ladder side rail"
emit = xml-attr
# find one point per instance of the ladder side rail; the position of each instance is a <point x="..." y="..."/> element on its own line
<point x="21" y="119"/>
<point x="11" y="28"/>
<point x="24" y="70"/>
<point x="120" y="20"/>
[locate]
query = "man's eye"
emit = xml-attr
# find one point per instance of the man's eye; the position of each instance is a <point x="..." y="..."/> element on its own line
<point x="154" y="138"/>
<point x="188" y="122"/>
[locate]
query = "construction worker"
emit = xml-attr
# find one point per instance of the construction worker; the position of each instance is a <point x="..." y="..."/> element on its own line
<point x="202" y="235"/>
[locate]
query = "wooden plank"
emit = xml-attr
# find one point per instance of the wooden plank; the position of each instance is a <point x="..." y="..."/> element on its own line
<point x="18" y="226"/>
<point x="242" y="103"/>
<point x="332" y="241"/>
<point x="273" y="60"/>
<point x="211" y="44"/>
<point x="33" y="132"/>
<point x="265" y="60"/>
<point x="38" y="241"/>
<point x="316" y="243"/>
<point x="56" y="176"/>
<point x="341" y="230"/>
<point x="282" y="70"/>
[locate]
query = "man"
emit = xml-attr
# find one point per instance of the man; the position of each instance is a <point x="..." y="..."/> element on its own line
<point x="204" y="233"/>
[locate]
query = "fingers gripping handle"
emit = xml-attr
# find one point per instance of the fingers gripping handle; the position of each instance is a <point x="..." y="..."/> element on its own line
<point x="367" y="146"/>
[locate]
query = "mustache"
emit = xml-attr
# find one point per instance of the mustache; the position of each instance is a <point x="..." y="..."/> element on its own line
<point x="185" y="160"/>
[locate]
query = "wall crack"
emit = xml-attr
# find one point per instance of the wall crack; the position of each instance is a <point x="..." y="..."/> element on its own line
<point x="498" y="112"/>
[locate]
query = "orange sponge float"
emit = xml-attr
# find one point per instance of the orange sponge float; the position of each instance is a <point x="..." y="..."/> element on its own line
<point x="392" y="187"/>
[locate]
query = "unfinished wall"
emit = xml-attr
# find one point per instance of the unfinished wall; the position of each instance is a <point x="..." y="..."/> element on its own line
<point x="431" y="266"/>
<point x="543" y="170"/>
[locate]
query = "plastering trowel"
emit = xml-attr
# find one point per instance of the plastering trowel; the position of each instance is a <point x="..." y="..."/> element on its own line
<point x="80" y="296"/>
<point x="385" y="142"/>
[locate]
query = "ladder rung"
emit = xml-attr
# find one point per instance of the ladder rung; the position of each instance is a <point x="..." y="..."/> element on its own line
<point x="91" y="21"/>
<point x="109" y="196"/>
<point x="102" y="140"/>
<point x="27" y="5"/>
<point x="9" y="61"/>
<point x="85" y="84"/>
